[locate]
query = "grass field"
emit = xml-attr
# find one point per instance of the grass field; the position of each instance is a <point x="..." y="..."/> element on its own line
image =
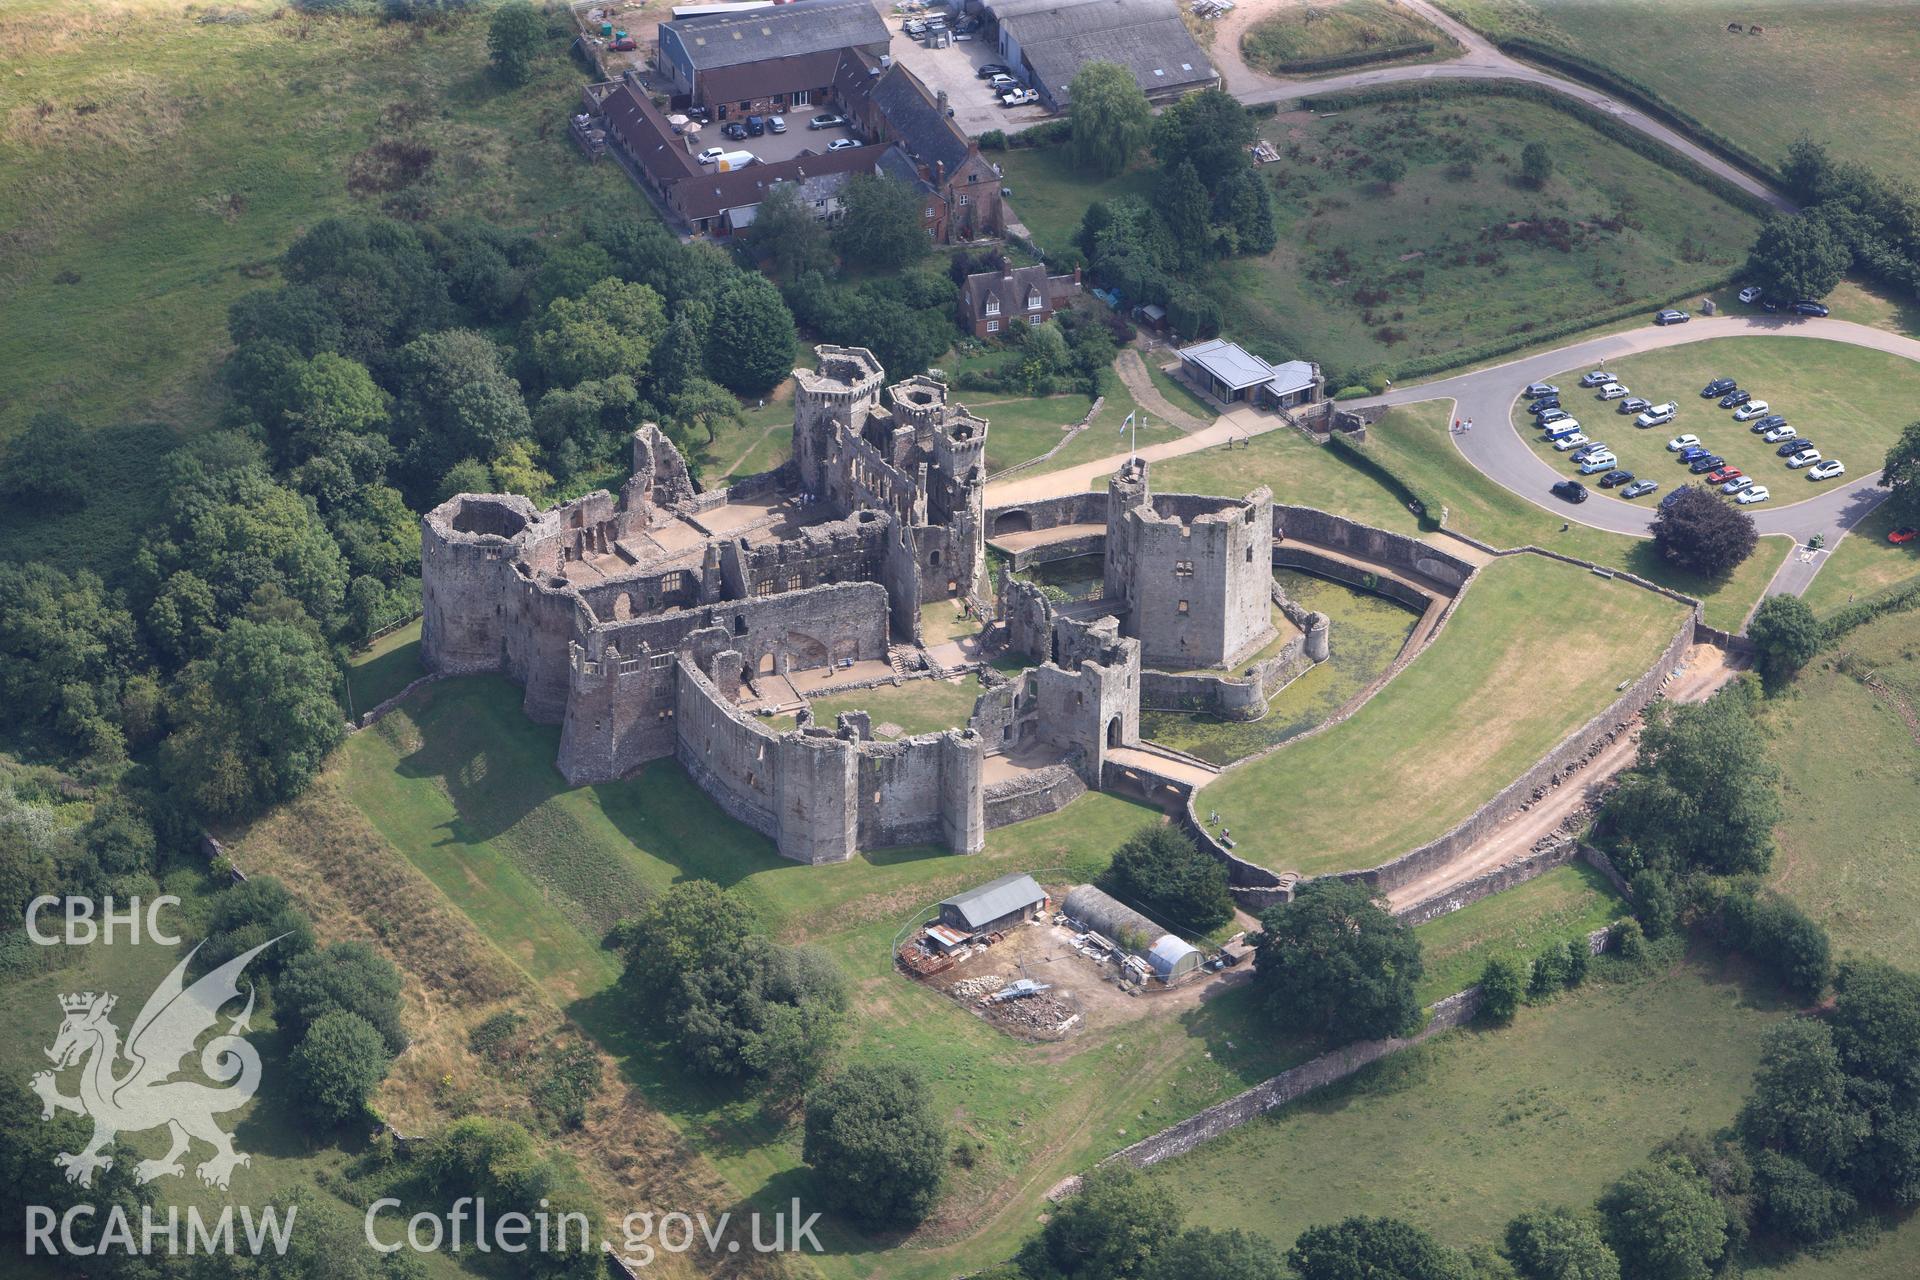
<point x="1454" y="253"/>
<point x="1566" y="903"/>
<point x="385" y="668"/>
<point x="1862" y="563"/>
<point x="1414" y="438"/>
<point x="1490" y="695"/>
<point x="1477" y="1126"/>
<point x="1846" y="72"/>
<point x="1289" y="36"/>
<point x="918" y="706"/>
<point x="462" y="786"/>
<point x="1850" y="401"/>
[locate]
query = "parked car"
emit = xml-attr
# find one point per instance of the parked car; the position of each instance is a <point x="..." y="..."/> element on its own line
<point x="1633" y="404"/>
<point x="736" y="131"/>
<point x="1612" y="391"/>
<point x="1828" y="470"/>
<point x="828" y="120"/>
<point x="1614" y="479"/>
<point x="1598" y="378"/>
<point x="1572" y="440"/>
<point x="711" y="155"/>
<point x="1562" y="427"/>
<point x="842" y="144"/>
<point x="1671" y="316"/>
<point x="1537" y="389"/>
<point x="1774" y="435"/>
<point x="1750" y="410"/>
<point x="1571" y="490"/>
<point x="1712" y="462"/>
<point x="1544" y="403"/>
<point x="757" y="125"/>
<point x="1693" y="451"/>
<point x="1593" y="450"/>
<point x="623" y="44"/>
<point x="1639" y="489"/>
<point x="1678" y="443"/>
<point x="1806" y="307"/>
<point x="1658" y="415"/>
<point x="1750" y="294"/>
<point x="1547" y="417"/>
<point x="1792" y="447"/>
<point x="1734" y="399"/>
<point x="1597" y="462"/>
<point x="1001" y="83"/>
<point x="989" y="70"/>
<point x="1752" y="494"/>
<point x="776" y="124"/>
<point x="1804" y="459"/>
<point x="1767" y="424"/>
<point x="1019" y="97"/>
<point x="1736" y="484"/>
<point x="1720" y="475"/>
<point x="1904" y="534"/>
<point x="1718" y="387"/>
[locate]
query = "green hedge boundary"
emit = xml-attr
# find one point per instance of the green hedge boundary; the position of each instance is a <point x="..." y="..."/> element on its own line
<point x="1580" y="67"/>
<point x="1895" y="599"/>
<point x="1341" y="61"/>
<point x="1433" y="511"/>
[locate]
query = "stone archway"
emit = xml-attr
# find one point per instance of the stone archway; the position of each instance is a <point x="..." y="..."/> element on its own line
<point x="1114" y="732"/>
<point x="805" y="653"/>
<point x="1014" y="521"/>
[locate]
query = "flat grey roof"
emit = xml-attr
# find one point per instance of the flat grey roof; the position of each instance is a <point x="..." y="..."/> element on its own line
<point x="986" y="903"/>
<point x="1229" y="362"/>
<point x="1294" y="375"/>
<point x="783" y="31"/>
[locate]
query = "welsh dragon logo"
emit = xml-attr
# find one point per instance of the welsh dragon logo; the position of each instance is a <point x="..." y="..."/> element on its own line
<point x="132" y="1088"/>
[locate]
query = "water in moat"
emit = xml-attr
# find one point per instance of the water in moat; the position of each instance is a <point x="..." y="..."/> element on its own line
<point x="1366" y="636"/>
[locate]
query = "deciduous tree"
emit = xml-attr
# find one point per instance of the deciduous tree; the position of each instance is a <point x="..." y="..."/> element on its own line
<point x="1334" y="961"/>
<point x="1110" y="118"/>
<point x="1662" y="1222"/>
<point x="1162" y="872"/>
<point x="1799" y="256"/>
<point x="610" y="329"/>
<point x="1786" y="634"/>
<point x="876" y="1143"/>
<point x="1558" y="1244"/>
<point x="882" y="222"/>
<point x="1902" y="475"/>
<point x="337" y="1066"/>
<point x="1373" y="1249"/>
<point x="1702" y="533"/>
<point x="514" y="37"/>
<point x="1114" y="1228"/>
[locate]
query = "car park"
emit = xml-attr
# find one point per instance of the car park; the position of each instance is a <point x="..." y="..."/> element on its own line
<point x="1750" y="294"/>
<point x="1718" y="387"/>
<point x="827" y="120"/>
<point x="1805" y="307"/>
<point x="1750" y="410"/>
<point x="1904" y="534"/>
<point x="1639" y="489"/>
<point x="1612" y="391"/>
<point x="1658" y="415"/>
<point x="1571" y="490"/>
<point x="1598" y="378"/>
<point x="1712" y="462"/>
<point x="1806" y="459"/>
<point x="1767" y="424"/>
<point x="1752" y="494"/>
<point x="757" y="126"/>
<point x="1537" y="389"/>
<point x="1614" y="479"/>
<point x="776" y="124"/>
<point x="1633" y="404"/>
<point x="1792" y="447"/>
<point x="1589" y="451"/>
<point x="1678" y="443"/>
<point x="1720" y="475"/>
<point x="1573" y="440"/>
<point x="1735" y="398"/>
<point x="1671" y="316"/>
<point x="1597" y="462"/>
<point x="1774" y="435"/>
<point x="842" y="144"/>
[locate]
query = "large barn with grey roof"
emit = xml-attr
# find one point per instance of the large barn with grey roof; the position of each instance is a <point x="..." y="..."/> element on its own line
<point x="1050" y="40"/>
<point x="700" y="54"/>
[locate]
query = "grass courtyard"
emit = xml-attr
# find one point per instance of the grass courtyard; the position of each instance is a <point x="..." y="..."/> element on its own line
<point x="1489" y="696"/>
<point x="1850" y="401"/>
<point x="1450" y="255"/>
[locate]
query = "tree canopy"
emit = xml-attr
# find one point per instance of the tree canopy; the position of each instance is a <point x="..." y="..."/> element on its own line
<point x="1109" y="116"/>
<point x="1115" y="1228"/>
<point x="1702" y="533"/>
<point x="882" y="222"/>
<point x="1558" y="1244"/>
<point x="337" y="1066"/>
<point x="1798" y="256"/>
<point x="876" y="1143"/>
<point x="1902" y="475"/>
<point x="1787" y="635"/>
<point x="1662" y="1222"/>
<point x="514" y="37"/>
<point x="1333" y="961"/>
<point x="1161" y="871"/>
<point x="1373" y="1249"/>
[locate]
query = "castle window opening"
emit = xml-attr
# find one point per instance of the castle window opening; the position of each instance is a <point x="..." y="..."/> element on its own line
<point x="675" y="581"/>
<point x="739" y="624"/>
<point x="1183" y="568"/>
<point x="1183" y="606"/>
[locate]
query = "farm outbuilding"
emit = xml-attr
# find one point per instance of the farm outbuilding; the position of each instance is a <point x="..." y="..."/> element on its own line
<point x="994" y="905"/>
<point x="1168" y="956"/>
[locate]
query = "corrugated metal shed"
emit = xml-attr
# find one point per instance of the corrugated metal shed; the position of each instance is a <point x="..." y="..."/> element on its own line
<point x="1172" y="958"/>
<point x="995" y="900"/>
<point x="1166" y="955"/>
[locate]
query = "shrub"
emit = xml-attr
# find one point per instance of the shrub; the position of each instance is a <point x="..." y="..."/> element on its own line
<point x="1549" y="972"/>
<point x="1628" y="940"/>
<point x="1502" y="983"/>
<point x="1579" y="960"/>
<point x="876" y="1144"/>
<point x="338" y="1065"/>
<point x="1782" y="939"/>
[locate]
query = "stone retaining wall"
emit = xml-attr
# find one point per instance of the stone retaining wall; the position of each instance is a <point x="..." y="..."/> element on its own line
<point x="1290" y="555"/>
<point x="1032" y="795"/>
<point x="1395" y="550"/>
<point x="1090" y="544"/>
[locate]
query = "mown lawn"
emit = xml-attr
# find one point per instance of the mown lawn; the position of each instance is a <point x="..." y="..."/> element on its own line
<point x="1862" y="563"/>
<point x="1850" y="401"/>
<point x="1566" y="903"/>
<point x="1487" y="698"/>
<point x="1450" y="255"/>
<point x="918" y="706"/>
<point x="386" y="667"/>
<point x="462" y="786"/>
<point x="1275" y="44"/>
<point x="1846" y="72"/>
<point x="1475" y="1127"/>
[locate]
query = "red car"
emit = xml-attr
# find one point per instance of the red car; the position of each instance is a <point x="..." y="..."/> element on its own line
<point x="1724" y="474"/>
<point x="1907" y="534"/>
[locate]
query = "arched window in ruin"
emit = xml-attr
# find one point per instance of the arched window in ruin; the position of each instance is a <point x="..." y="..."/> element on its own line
<point x="1113" y="732"/>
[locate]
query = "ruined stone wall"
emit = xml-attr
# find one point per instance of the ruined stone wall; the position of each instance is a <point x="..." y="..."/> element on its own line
<point x="1029" y="619"/>
<point x="1032" y="795"/>
<point x="467" y="580"/>
<point x="729" y="756"/>
<point x="1392" y="549"/>
<point x="1047" y="513"/>
<point x="841" y="551"/>
<point x="620" y="713"/>
<point x="1293" y="555"/>
<point x="1088" y="708"/>
<point x="923" y="790"/>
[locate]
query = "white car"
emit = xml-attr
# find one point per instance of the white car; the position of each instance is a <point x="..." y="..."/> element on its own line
<point x="1612" y="391"/>
<point x="1736" y="484"/>
<point x="1658" y="416"/>
<point x="1779" y="433"/>
<point x="711" y="155"/>
<point x="1598" y="378"/>
<point x="1747" y="497"/>
<point x="1598" y="462"/>
<point x="843" y="144"/>
<point x="1828" y="470"/>
<point x="1806" y="459"/>
<point x="1573" y="441"/>
<point x="1750" y="410"/>
<point x="1678" y="443"/>
<point x="1750" y="294"/>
